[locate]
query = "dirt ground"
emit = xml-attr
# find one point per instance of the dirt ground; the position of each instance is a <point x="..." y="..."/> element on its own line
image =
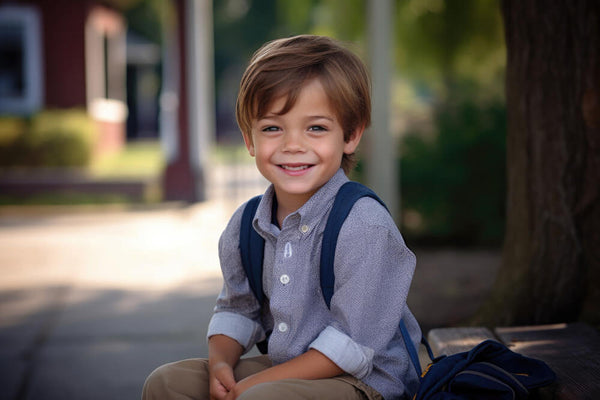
<point x="450" y="284"/>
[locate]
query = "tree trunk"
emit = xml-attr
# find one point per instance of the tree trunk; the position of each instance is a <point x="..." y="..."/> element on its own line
<point x="551" y="260"/>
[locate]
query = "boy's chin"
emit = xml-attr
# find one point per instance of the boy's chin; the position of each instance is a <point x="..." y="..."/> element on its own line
<point x="296" y="189"/>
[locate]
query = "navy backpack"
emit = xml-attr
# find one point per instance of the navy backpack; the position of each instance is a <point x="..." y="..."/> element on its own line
<point x="488" y="371"/>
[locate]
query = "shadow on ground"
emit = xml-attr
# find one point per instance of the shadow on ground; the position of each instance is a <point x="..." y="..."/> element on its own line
<point x="96" y="344"/>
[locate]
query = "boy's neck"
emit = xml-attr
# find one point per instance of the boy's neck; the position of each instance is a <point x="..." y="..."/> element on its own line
<point x="289" y="204"/>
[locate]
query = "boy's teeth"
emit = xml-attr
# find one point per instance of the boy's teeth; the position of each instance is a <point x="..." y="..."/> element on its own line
<point x="289" y="168"/>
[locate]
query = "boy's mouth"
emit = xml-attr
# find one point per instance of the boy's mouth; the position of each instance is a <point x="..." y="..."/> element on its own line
<point x="295" y="167"/>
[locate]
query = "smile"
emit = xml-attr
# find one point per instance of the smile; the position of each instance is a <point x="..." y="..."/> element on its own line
<point x="295" y="168"/>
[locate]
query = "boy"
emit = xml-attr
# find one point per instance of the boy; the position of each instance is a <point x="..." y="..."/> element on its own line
<point x="303" y="106"/>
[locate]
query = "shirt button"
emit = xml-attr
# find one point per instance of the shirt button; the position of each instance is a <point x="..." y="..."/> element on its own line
<point x="285" y="279"/>
<point x="283" y="327"/>
<point x="304" y="228"/>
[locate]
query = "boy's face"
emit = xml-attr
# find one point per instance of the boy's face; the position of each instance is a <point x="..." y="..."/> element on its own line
<point x="301" y="150"/>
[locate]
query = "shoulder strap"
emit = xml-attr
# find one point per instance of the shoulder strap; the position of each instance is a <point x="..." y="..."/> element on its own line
<point x="252" y="248"/>
<point x="348" y="194"/>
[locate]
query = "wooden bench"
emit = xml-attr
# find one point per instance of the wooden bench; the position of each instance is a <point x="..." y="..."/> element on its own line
<point x="571" y="350"/>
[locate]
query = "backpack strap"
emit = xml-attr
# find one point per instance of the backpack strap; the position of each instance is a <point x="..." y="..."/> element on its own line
<point x="348" y="194"/>
<point x="410" y="347"/>
<point x="252" y="249"/>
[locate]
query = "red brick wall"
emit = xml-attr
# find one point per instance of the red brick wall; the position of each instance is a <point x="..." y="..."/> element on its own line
<point x="63" y="31"/>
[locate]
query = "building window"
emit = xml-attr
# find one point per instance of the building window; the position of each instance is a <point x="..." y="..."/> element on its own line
<point x="21" y="78"/>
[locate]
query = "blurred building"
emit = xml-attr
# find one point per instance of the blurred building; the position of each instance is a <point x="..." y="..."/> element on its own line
<point x="65" y="54"/>
<point x="57" y="54"/>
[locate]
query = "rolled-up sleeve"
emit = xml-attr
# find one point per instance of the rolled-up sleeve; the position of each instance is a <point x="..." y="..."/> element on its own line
<point x="350" y="356"/>
<point x="243" y="330"/>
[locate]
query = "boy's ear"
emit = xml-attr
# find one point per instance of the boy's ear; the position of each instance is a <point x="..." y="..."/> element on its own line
<point x="249" y="144"/>
<point x="352" y="143"/>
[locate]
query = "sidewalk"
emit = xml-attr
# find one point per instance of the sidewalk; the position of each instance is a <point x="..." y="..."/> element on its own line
<point x="92" y="301"/>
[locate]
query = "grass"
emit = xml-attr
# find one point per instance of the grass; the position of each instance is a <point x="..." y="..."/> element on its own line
<point x="136" y="160"/>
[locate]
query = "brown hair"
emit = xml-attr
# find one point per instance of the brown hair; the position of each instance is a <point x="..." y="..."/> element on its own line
<point x="281" y="67"/>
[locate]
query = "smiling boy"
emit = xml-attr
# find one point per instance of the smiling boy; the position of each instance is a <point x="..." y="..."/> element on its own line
<point x="303" y="105"/>
<point x="301" y="150"/>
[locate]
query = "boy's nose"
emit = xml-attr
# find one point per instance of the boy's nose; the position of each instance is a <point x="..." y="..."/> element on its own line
<point x="293" y="141"/>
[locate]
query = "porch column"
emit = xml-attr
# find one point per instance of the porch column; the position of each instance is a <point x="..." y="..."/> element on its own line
<point x="382" y="173"/>
<point x="189" y="136"/>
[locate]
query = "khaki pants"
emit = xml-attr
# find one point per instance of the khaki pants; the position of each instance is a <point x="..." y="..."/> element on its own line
<point x="188" y="379"/>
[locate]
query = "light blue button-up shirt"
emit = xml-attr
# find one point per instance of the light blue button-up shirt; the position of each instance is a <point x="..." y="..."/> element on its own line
<point x="373" y="271"/>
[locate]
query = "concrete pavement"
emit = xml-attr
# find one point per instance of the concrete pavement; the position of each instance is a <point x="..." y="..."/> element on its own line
<point x="91" y="301"/>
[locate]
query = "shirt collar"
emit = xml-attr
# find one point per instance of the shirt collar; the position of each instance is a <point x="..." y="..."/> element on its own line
<point x="310" y="214"/>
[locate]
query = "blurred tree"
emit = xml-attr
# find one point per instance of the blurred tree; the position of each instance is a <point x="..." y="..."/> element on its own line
<point x="452" y="168"/>
<point x="240" y="28"/>
<point x="442" y="43"/>
<point x="454" y="184"/>
<point x="551" y="261"/>
<point x="146" y="17"/>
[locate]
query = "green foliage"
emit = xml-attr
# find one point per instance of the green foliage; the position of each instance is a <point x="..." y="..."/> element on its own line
<point x="147" y="17"/>
<point x="453" y="182"/>
<point x="57" y="138"/>
<point x="445" y="41"/>
<point x="241" y="26"/>
<point x="453" y="170"/>
<point x="342" y="19"/>
<point x="11" y="128"/>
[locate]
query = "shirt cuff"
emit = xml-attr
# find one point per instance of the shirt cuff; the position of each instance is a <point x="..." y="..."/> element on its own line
<point x="350" y="356"/>
<point x="243" y="330"/>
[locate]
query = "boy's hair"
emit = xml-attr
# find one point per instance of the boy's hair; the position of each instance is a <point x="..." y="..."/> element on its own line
<point x="283" y="66"/>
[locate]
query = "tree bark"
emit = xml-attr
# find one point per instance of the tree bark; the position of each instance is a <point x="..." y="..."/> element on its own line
<point x="551" y="259"/>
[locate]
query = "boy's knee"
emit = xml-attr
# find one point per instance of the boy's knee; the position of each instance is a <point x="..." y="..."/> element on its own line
<point x="263" y="391"/>
<point x="155" y="385"/>
<point x="186" y="379"/>
<point x="300" y="389"/>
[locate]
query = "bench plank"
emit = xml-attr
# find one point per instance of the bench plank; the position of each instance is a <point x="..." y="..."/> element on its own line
<point x="455" y="340"/>
<point x="571" y="350"/>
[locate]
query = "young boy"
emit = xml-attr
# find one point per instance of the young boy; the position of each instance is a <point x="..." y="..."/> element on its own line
<point x="303" y="106"/>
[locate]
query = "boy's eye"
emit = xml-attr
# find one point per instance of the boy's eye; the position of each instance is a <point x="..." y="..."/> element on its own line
<point x="317" y="128"/>
<point x="270" y="129"/>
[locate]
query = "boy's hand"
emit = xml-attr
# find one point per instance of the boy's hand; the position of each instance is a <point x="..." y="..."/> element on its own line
<point x="241" y="387"/>
<point x="223" y="354"/>
<point x="221" y="381"/>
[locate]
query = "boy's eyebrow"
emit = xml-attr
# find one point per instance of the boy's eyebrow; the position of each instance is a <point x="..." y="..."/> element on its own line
<point x="309" y="117"/>
<point x="330" y="118"/>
